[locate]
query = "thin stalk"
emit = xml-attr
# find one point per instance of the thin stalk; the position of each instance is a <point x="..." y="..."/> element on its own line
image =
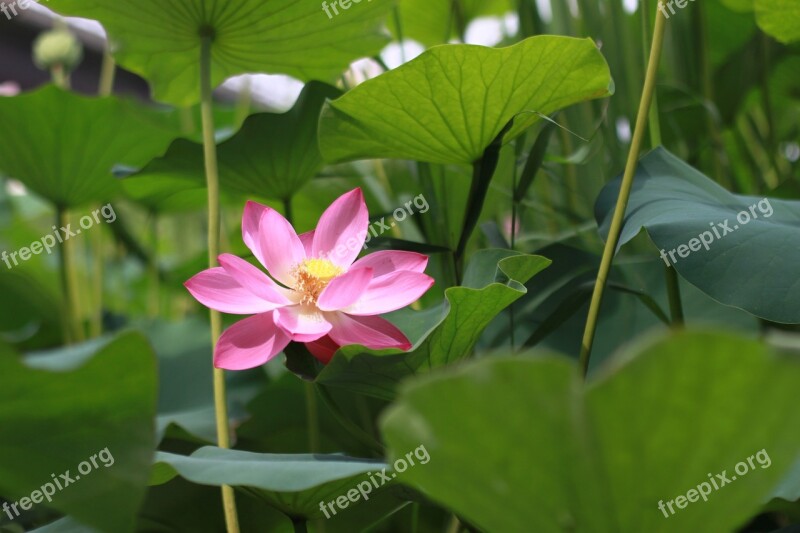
<point x="625" y="191"/>
<point x="212" y="182"/>
<point x="355" y="431"/>
<point x="438" y="229"/>
<point x="96" y="322"/>
<point x="312" y="406"/>
<point x="670" y="274"/>
<point x="456" y="19"/>
<point x="104" y="88"/>
<point x="455" y="525"/>
<point x="398" y="26"/>
<point x="187" y="121"/>
<point x="287" y="209"/>
<point x="482" y="173"/>
<point x="570" y="170"/>
<point x="312" y="417"/>
<point x="69" y="282"/>
<point x="518" y="148"/>
<point x="674" y="296"/>
<point x="107" y="71"/>
<point x="154" y="297"/>
<point x="706" y="70"/>
<point x="60" y="77"/>
<point x="654" y="118"/>
<point x="244" y="102"/>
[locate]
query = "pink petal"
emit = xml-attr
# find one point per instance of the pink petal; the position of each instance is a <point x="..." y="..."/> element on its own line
<point x="307" y="239"/>
<point x="323" y="349"/>
<point x="391" y="292"/>
<point x="272" y="240"/>
<point x="344" y="290"/>
<point x="388" y="261"/>
<point x="216" y="289"/>
<point x="253" y="279"/>
<point x="251" y="222"/>
<point x="280" y="246"/>
<point x="249" y="343"/>
<point x="303" y="323"/>
<point x="342" y="229"/>
<point x="371" y="331"/>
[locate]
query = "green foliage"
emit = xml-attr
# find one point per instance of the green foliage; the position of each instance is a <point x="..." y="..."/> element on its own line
<point x="271" y="156"/>
<point x="99" y="396"/>
<point x="162" y="41"/>
<point x="449" y="104"/>
<point x="678" y="206"/>
<point x="588" y="456"/>
<point x="779" y="18"/>
<point x="520" y="142"/>
<point x="433" y="22"/>
<point x="295" y="484"/>
<point x="493" y="281"/>
<point x="64" y="146"/>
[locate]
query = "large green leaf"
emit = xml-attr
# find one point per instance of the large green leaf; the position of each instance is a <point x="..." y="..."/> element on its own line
<point x="295" y="484"/>
<point x="779" y="18"/>
<point x="539" y="451"/>
<point x="59" y="409"/>
<point x="450" y="103"/>
<point x="161" y="41"/>
<point x="272" y="156"/>
<point x="752" y="267"/>
<point x="444" y="334"/>
<point x="64" y="146"/>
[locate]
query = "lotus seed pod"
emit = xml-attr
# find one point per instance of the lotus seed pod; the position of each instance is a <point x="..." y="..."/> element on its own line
<point x="57" y="47"/>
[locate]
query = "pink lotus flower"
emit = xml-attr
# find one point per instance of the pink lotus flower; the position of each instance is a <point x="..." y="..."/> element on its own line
<point x="323" y="296"/>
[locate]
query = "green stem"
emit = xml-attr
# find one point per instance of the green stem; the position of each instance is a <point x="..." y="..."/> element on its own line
<point x="73" y="325"/>
<point x="654" y="118"/>
<point x="154" y="299"/>
<point x="359" y="434"/>
<point x="299" y="525"/>
<point x="706" y="71"/>
<point x="287" y="210"/>
<point x="212" y="182"/>
<point x="312" y="417"/>
<point x="457" y="20"/>
<point x="674" y="296"/>
<point x="624" y="192"/>
<point x="107" y="71"/>
<point x="60" y="77"/>
<point x="398" y="26"/>
<point x="670" y="274"/>
<point x="437" y="229"/>
<point x="518" y="148"/>
<point x="312" y="406"/>
<point x="482" y="172"/>
<point x="244" y="103"/>
<point x="105" y="87"/>
<point x="96" y="323"/>
<point x="455" y="525"/>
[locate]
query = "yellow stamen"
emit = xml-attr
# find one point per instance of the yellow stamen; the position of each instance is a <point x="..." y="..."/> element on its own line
<point x="312" y="276"/>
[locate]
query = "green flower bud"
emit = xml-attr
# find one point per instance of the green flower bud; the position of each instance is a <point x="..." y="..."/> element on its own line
<point x="57" y="47"/>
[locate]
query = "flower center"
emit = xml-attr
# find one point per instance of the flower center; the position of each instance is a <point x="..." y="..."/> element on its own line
<point x="312" y="276"/>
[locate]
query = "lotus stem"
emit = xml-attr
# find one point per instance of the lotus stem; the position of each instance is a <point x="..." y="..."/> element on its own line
<point x="212" y="183"/>
<point x="624" y="193"/>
